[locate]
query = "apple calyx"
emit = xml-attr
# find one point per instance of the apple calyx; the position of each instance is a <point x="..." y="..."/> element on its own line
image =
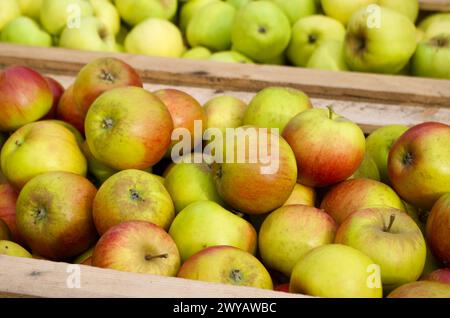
<point x="107" y="123"/>
<point x="135" y="196"/>
<point x="152" y="257"/>
<point x="391" y="222"/>
<point x="39" y="214"/>
<point x="312" y="38"/>
<point x="440" y="41"/>
<point x="18" y="143"/>
<point x="236" y="275"/>
<point x="407" y="159"/>
<point x="106" y="76"/>
<point x="262" y="30"/>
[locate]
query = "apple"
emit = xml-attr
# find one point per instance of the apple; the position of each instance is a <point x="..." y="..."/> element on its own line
<point x="205" y="223"/>
<point x="289" y="232"/>
<point x="441" y="276"/>
<point x="438" y="229"/>
<point x="8" y="198"/>
<point x="226" y="265"/>
<point x="342" y="10"/>
<point x="261" y="31"/>
<point x="224" y="112"/>
<point x="274" y="107"/>
<point x="422" y="289"/>
<point x="302" y="195"/>
<point x="367" y="169"/>
<point x="69" y="111"/>
<point x="336" y="271"/>
<point x="370" y="31"/>
<point x="354" y="195"/>
<point x="59" y="203"/>
<point x="38" y="148"/>
<point x="155" y="37"/>
<point x="137" y="246"/>
<point x="432" y="56"/>
<point x="78" y="137"/>
<point x="132" y="195"/>
<point x="328" y="147"/>
<point x="13" y="249"/>
<point x="391" y="239"/>
<point x="25" y="96"/>
<point x="255" y="182"/>
<point x="25" y="31"/>
<point x="432" y="19"/>
<point x="296" y="9"/>
<point x="211" y="26"/>
<point x="309" y="33"/>
<point x="128" y="128"/>
<point x="107" y="13"/>
<point x="230" y="57"/>
<point x="56" y="15"/>
<point x="135" y="11"/>
<point x="101" y="75"/>
<point x="30" y="8"/>
<point x="379" y="144"/>
<point x="97" y="169"/>
<point x="329" y="55"/>
<point x="5" y="233"/>
<point x="9" y="10"/>
<point x="197" y="53"/>
<point x="57" y="92"/>
<point x="235" y="3"/>
<point x="410" y="8"/>
<point x="85" y="258"/>
<point x="282" y="288"/>
<point x="421" y="151"/>
<point x="188" y="10"/>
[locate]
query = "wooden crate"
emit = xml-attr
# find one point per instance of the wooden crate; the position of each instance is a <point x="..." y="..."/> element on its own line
<point x="370" y="100"/>
<point x="435" y="5"/>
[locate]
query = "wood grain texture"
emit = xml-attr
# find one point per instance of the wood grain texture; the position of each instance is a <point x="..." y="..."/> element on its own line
<point x="435" y="5"/>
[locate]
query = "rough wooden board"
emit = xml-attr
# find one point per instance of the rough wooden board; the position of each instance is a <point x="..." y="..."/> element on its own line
<point x="435" y="5"/>
<point x="40" y="278"/>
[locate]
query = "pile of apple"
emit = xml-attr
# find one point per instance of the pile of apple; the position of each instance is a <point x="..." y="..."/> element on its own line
<point x="87" y="177"/>
<point x="377" y="36"/>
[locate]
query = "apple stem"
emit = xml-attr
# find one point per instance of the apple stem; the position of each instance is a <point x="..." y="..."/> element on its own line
<point x="391" y="221"/>
<point x="330" y="112"/>
<point x="150" y="257"/>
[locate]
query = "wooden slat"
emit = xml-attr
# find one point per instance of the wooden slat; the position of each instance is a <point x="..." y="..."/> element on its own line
<point x="348" y="86"/>
<point x="40" y="278"/>
<point x="435" y="5"/>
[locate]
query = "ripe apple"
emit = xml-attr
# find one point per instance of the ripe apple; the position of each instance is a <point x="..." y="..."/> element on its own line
<point x="9" y="10"/>
<point x="367" y="169"/>
<point x="337" y="271"/>
<point x="205" y="223"/>
<point x="230" y="57"/>
<point x="261" y="31"/>
<point x="328" y="147"/>
<point x="155" y="37"/>
<point x="132" y="195"/>
<point x="438" y="229"/>
<point x="227" y="265"/>
<point x="290" y="232"/>
<point x="296" y="9"/>
<point x="238" y="3"/>
<point x="211" y="26"/>
<point x="410" y="8"/>
<point x="57" y="92"/>
<point x="5" y="233"/>
<point x="432" y="56"/>
<point x="101" y="75"/>
<point x="85" y="258"/>
<point x="98" y="170"/>
<point x="78" y="136"/>
<point x="421" y="151"/>
<point x="25" y="31"/>
<point x="369" y="32"/>
<point x="135" y="11"/>
<point x="69" y="111"/>
<point x="224" y="112"/>
<point x="107" y="13"/>
<point x="188" y="10"/>
<point x="441" y="276"/>
<point x="59" y="203"/>
<point x="379" y="144"/>
<point x="329" y="55"/>
<point x="259" y="183"/>
<point x="302" y="195"/>
<point x="25" y="96"/>
<point x="38" y="148"/>
<point x="274" y="107"/>
<point x="8" y="198"/>
<point x="421" y="289"/>
<point x="30" y="8"/>
<point x="137" y="246"/>
<point x="197" y="53"/>
<point x="309" y="33"/>
<point x="435" y="24"/>
<point x="391" y="239"/>
<point x="354" y="195"/>
<point x="13" y="249"/>
<point x="128" y="128"/>
<point x="342" y="10"/>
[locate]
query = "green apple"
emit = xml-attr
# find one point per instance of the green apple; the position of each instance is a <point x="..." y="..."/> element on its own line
<point x="5" y="233"/>
<point x="211" y="26"/>
<point x="204" y="223"/>
<point x="31" y="8"/>
<point x="410" y="8"/>
<point x="422" y="289"/>
<point x="274" y="107"/>
<point x="155" y="37"/>
<point x="197" y="53"/>
<point x="107" y="13"/>
<point x="432" y="19"/>
<point x="224" y="112"/>
<point x="368" y="36"/>
<point x="230" y="57"/>
<point x="261" y="31"/>
<point x="432" y="57"/>
<point x="437" y="29"/>
<point x="296" y="9"/>
<point x="13" y="249"/>
<point x="96" y="168"/>
<point x="391" y="239"/>
<point x="368" y="169"/>
<point x="26" y="31"/>
<point x="290" y="232"/>
<point x="329" y="55"/>
<point x="56" y="15"/>
<point x="309" y="33"/>
<point x="9" y="10"/>
<point x="134" y="12"/>
<point x="378" y="145"/>
<point x="342" y="10"/>
<point x="122" y="35"/>
<point x="85" y="258"/>
<point x="189" y="9"/>
<point x="336" y="271"/>
<point x="302" y="195"/>
<point x="237" y="3"/>
<point x="277" y="60"/>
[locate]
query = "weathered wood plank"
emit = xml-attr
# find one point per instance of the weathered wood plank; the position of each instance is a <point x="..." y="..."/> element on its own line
<point x="435" y="5"/>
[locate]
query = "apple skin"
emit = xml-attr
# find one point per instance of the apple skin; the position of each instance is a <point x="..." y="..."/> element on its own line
<point x="302" y="195"/>
<point x="132" y="195"/>
<point x="274" y="107"/>
<point x="245" y="187"/>
<point x="421" y="289"/>
<point x="310" y="135"/>
<point x="441" y="276"/>
<point x="367" y="169"/>
<point x="128" y="128"/>
<point x="107" y="13"/>
<point x="230" y="57"/>
<point x="85" y="258"/>
<point x="430" y="57"/>
<point x="97" y="169"/>
<point x="438" y="229"/>
<point x="25" y="31"/>
<point x="25" y="96"/>
<point x="188" y="10"/>
<point x="290" y="232"/>
<point x="101" y="75"/>
<point x="13" y="249"/>
<point x="342" y="10"/>
<point x="354" y="195"/>
<point x="137" y="246"/>
<point x="227" y="265"/>
<point x="8" y="199"/>
<point x="30" y="8"/>
<point x="69" y="111"/>
<point x="205" y="223"/>
<point x="9" y="10"/>
<point x="135" y="11"/>
<point x="57" y="92"/>
<point x="59" y="203"/>
<point x="328" y="56"/>
<point x="5" y="233"/>
<point x="421" y="151"/>
<point x="409" y="8"/>
<point x="347" y="278"/>
<point x="197" y="53"/>
<point x="399" y="250"/>
<point x="296" y="9"/>
<point x="78" y="136"/>
<point x="224" y="112"/>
